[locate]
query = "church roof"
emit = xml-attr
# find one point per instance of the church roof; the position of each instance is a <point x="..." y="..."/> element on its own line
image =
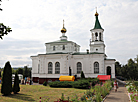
<point x="85" y="53"/>
<point x="97" y="23"/>
<point x="60" y="41"/>
<point x="76" y="53"/>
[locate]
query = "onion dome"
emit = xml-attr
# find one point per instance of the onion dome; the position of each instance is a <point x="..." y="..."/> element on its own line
<point x="63" y="30"/>
<point x="96" y="14"/>
<point x="97" y="23"/>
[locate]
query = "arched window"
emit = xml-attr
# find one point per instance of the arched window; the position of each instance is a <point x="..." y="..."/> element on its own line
<point x="50" y="67"/>
<point x="79" y="68"/>
<point x="54" y="48"/>
<point x="57" y="68"/>
<point x="96" y="67"/>
<point x="96" y="35"/>
<point x="100" y="37"/>
<point x="63" y="47"/>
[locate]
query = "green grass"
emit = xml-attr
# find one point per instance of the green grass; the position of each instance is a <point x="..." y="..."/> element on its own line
<point x="32" y="93"/>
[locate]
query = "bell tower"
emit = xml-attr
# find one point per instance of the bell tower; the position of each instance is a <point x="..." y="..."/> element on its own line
<point x="97" y="43"/>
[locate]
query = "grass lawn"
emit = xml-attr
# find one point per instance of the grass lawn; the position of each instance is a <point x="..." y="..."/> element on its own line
<point x="33" y="92"/>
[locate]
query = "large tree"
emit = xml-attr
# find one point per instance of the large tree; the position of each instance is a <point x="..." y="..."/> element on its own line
<point x="6" y="87"/>
<point x="129" y="71"/>
<point x="118" y="69"/>
<point x="16" y="87"/>
<point x="20" y="71"/>
<point x="4" y="30"/>
<point x="26" y="72"/>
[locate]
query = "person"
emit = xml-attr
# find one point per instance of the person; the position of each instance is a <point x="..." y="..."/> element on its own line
<point x="115" y="85"/>
<point x="22" y="81"/>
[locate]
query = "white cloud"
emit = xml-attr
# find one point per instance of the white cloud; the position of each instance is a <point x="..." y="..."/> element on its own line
<point x="41" y="21"/>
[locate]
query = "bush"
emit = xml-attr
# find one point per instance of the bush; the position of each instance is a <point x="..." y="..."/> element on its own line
<point x="82" y="84"/>
<point x="16" y="87"/>
<point x="61" y="84"/>
<point x="45" y="83"/>
<point x="6" y="87"/>
<point x="82" y="75"/>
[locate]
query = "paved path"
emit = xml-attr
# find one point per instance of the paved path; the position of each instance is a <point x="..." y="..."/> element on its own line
<point x="119" y="96"/>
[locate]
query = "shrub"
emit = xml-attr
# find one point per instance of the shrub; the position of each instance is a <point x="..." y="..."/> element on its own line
<point x="16" y="87"/>
<point x="82" y="75"/>
<point x="98" y="97"/>
<point x="6" y="87"/>
<point x="45" y="83"/>
<point x="83" y="98"/>
<point x="81" y="84"/>
<point x="61" y="84"/>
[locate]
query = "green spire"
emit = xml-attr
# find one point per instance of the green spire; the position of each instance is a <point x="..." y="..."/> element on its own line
<point x="97" y="23"/>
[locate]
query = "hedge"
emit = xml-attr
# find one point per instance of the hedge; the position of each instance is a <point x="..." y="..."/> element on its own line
<point x="81" y="84"/>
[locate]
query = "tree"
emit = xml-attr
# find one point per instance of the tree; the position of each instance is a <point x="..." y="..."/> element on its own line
<point x="6" y="87"/>
<point x="118" y="67"/>
<point x="82" y="75"/>
<point x="0" y="73"/>
<point x="20" y="71"/>
<point x="26" y="72"/>
<point x="16" y="87"/>
<point x="4" y="30"/>
<point x="0" y="4"/>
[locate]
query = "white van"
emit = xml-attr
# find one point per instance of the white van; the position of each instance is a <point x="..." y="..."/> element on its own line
<point x="19" y="75"/>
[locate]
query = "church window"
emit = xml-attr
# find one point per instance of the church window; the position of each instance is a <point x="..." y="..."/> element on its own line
<point x="63" y="47"/>
<point x="96" y="35"/>
<point x="54" y="48"/>
<point x="57" y="68"/>
<point x="96" y="49"/>
<point x="79" y="67"/>
<point x="50" y="67"/>
<point x="100" y="37"/>
<point x="96" y="67"/>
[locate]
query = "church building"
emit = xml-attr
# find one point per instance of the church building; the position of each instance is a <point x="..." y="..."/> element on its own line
<point x="62" y="55"/>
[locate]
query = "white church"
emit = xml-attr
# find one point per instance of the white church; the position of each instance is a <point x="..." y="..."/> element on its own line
<point x="62" y="54"/>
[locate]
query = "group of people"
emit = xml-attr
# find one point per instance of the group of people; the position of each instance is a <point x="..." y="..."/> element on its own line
<point x="26" y="81"/>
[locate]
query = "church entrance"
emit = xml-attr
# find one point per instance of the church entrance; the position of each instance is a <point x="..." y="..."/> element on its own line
<point x="108" y="70"/>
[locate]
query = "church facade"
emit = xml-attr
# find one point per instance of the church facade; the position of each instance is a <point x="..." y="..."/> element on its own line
<point x="64" y="54"/>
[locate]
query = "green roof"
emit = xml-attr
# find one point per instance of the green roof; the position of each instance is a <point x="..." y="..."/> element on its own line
<point x="97" y="24"/>
<point x="76" y="53"/>
<point x="85" y="53"/>
<point x="60" y="41"/>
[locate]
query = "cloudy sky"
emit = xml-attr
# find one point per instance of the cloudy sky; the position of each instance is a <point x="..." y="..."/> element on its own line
<point x="35" y="22"/>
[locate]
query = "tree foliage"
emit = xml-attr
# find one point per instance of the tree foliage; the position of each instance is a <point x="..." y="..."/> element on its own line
<point x="26" y="72"/>
<point x="20" y="71"/>
<point x="82" y="75"/>
<point x="16" y="87"/>
<point x="6" y="87"/>
<point x="129" y="71"/>
<point x="4" y="30"/>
